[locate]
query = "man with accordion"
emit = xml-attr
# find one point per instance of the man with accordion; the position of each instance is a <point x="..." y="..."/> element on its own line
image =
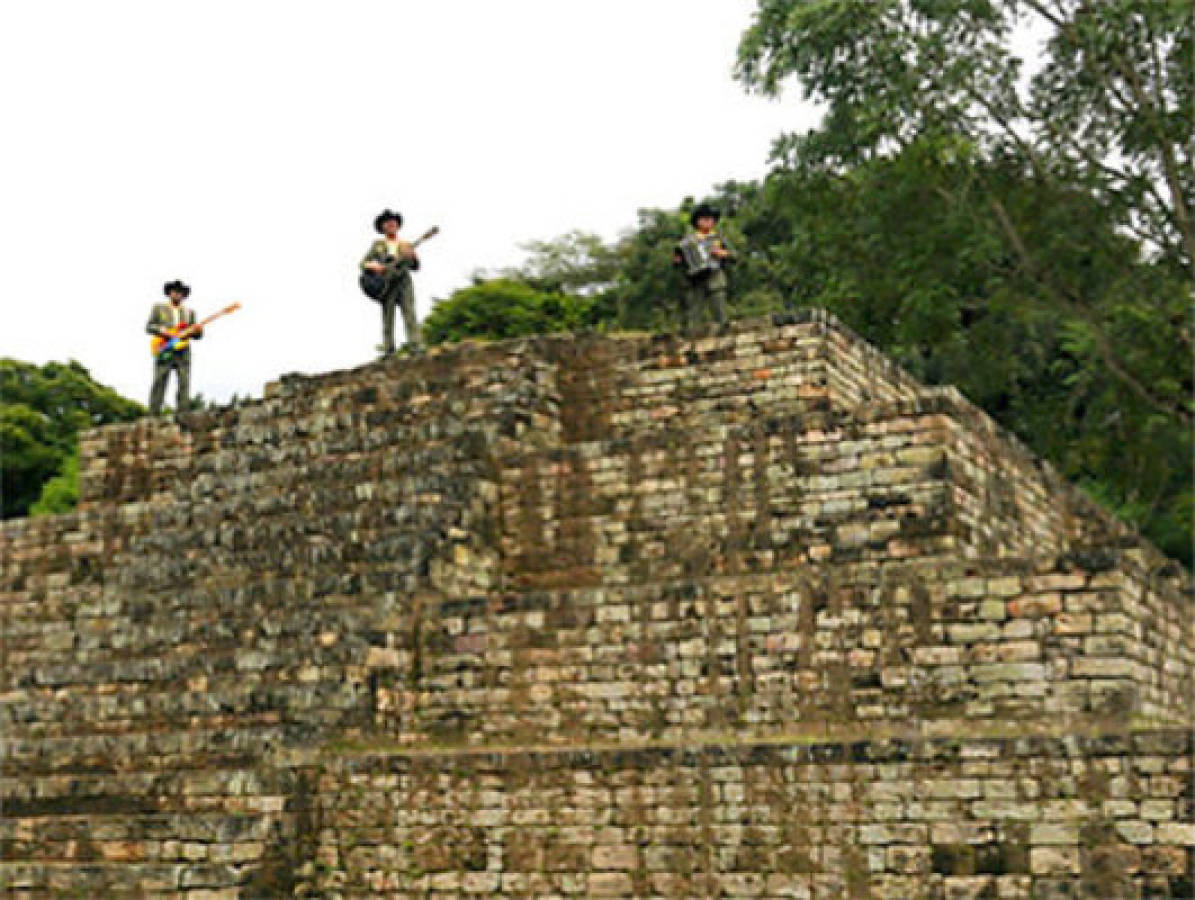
<point x="703" y="256"/>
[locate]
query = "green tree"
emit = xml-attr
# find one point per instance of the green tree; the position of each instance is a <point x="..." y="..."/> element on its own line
<point x="941" y="291"/>
<point x="1112" y="107"/>
<point x="42" y="409"/>
<point x="632" y="283"/>
<point x="1108" y="114"/>
<point x="1027" y="239"/>
<point x="578" y="262"/>
<point x="647" y="285"/>
<point x="61" y="493"/>
<point x="29" y="456"/>
<point x="504" y="308"/>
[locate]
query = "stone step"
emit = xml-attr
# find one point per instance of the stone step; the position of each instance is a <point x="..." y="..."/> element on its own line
<point x="153" y="705"/>
<point x="608" y="387"/>
<point x="194" y="743"/>
<point x="821" y="469"/>
<point x="195" y="881"/>
<point x="121" y="639"/>
<point x="1051" y="814"/>
<point x="255" y="652"/>
<point x="420" y="412"/>
<point x="232" y="789"/>
<point x="181" y="837"/>
<point x="618" y="508"/>
<point x="934" y="639"/>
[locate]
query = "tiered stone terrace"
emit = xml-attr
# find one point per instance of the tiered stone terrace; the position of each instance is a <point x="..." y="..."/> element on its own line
<point x="747" y="613"/>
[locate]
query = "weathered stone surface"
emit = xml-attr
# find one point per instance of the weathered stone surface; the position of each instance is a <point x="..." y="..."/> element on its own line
<point x="746" y="613"/>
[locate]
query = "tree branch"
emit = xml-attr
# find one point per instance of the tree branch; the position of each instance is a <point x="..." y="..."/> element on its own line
<point x="1077" y="309"/>
<point x="1054" y="19"/>
<point x="1177" y="208"/>
<point x="1169" y="164"/>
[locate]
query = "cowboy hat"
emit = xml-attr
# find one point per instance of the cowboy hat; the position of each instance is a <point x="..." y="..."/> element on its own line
<point x="383" y="216"/>
<point x="704" y="209"/>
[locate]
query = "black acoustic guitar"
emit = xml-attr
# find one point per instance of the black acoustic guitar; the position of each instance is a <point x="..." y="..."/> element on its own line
<point x="373" y="284"/>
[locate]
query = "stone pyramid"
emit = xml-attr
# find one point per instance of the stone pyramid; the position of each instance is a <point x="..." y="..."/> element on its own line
<point x="746" y="613"/>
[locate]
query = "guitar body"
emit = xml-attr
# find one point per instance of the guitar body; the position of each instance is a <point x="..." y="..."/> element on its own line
<point x="373" y="284"/>
<point x="161" y="347"/>
<point x="164" y="347"/>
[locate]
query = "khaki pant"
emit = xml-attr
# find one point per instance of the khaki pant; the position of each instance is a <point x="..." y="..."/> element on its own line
<point x="704" y="300"/>
<point x="181" y="364"/>
<point x="400" y="292"/>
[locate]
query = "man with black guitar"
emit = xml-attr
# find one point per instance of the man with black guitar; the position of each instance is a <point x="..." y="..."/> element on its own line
<point x="166" y="322"/>
<point x="386" y="277"/>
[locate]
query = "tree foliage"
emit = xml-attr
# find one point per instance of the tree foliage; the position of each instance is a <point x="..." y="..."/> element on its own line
<point x="578" y="263"/>
<point x="1110" y="109"/>
<point x="504" y="308"/>
<point x="42" y="410"/>
<point x="1033" y="233"/>
<point x="941" y="291"/>
<point x="61" y="493"/>
<point x="1107" y="115"/>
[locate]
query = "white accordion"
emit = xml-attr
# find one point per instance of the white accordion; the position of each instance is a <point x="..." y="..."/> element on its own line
<point x="697" y="258"/>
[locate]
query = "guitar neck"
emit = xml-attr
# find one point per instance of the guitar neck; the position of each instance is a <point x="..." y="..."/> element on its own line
<point x="210" y="318"/>
<point x="426" y="236"/>
<point x="195" y="326"/>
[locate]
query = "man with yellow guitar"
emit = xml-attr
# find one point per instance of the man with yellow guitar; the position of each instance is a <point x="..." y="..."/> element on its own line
<point x="167" y="321"/>
<point x="173" y="327"/>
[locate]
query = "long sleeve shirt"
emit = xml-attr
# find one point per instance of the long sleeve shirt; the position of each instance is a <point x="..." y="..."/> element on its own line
<point x="384" y="252"/>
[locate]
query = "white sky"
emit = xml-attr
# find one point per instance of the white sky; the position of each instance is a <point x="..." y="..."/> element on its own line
<point x="246" y="146"/>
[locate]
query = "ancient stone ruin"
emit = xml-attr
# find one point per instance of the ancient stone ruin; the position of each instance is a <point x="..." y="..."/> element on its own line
<point x="736" y="614"/>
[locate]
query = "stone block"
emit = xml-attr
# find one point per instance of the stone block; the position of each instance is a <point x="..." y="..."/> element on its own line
<point x="1054" y="860"/>
<point x="1135" y="831"/>
<point x="1054" y="833"/>
<point x="1180" y="833"/>
<point x="1035" y="606"/>
<point x="620" y="857"/>
<point x="610" y="884"/>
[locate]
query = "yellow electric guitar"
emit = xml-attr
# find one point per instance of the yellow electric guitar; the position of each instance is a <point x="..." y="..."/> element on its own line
<point x="162" y="346"/>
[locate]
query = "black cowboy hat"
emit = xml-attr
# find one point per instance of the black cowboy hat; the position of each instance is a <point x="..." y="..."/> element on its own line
<point x="704" y="209"/>
<point x="383" y="216"/>
<point x="176" y="285"/>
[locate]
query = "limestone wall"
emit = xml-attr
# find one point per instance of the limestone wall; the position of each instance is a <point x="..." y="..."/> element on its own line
<point x="738" y="539"/>
<point x="210" y="611"/>
<point x="943" y="647"/>
<point x="968" y="818"/>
